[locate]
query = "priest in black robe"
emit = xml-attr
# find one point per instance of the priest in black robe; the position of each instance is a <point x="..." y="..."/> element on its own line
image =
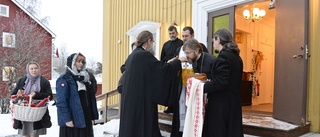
<point x="143" y="89"/>
<point x="202" y="62"/>
<point x="223" y="115"/>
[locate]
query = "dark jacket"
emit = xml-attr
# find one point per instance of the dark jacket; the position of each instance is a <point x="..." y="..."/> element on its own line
<point x="169" y="49"/>
<point x="223" y="115"/>
<point x="204" y="64"/>
<point x="45" y="91"/>
<point x="142" y="91"/>
<point x="69" y="104"/>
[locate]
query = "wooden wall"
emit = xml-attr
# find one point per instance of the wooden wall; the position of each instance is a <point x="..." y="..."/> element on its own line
<point x="313" y="104"/>
<point x="121" y="15"/>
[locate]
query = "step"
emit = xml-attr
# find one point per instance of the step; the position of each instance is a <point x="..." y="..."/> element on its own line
<point x="268" y="126"/>
<point x="260" y="125"/>
<point x="165" y="125"/>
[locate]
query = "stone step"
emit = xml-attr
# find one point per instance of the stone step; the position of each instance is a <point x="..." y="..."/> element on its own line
<point x="165" y="125"/>
<point x="260" y="125"/>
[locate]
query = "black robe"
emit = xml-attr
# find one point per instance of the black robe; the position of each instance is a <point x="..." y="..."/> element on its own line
<point x="223" y="115"/>
<point x="203" y="65"/>
<point x="142" y="91"/>
<point x="169" y="49"/>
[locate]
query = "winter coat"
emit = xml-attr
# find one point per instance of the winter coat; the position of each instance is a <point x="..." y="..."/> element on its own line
<point x="68" y="101"/>
<point x="45" y="91"/>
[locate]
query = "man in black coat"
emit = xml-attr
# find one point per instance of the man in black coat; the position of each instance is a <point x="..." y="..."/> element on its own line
<point x="223" y="115"/>
<point x="170" y="50"/>
<point x="143" y="89"/>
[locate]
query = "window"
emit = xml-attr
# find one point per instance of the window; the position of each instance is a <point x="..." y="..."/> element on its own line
<point x="8" y="73"/>
<point x="153" y="27"/>
<point x="4" y="10"/>
<point x="8" y="40"/>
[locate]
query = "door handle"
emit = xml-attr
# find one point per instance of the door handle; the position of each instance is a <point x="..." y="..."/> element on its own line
<point x="297" y="56"/>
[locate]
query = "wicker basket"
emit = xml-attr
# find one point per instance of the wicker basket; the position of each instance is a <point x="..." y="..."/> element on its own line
<point x="29" y="114"/>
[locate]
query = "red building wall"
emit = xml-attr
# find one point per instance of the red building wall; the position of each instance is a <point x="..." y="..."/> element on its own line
<point x="44" y="50"/>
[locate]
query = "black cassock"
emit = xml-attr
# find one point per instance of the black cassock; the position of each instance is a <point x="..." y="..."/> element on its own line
<point x="223" y="115"/>
<point x="145" y="86"/>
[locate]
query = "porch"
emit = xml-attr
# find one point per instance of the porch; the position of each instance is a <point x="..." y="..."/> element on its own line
<point x="257" y="121"/>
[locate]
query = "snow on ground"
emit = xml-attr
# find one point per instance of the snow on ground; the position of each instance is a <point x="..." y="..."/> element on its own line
<point x="7" y="130"/>
<point x="111" y="128"/>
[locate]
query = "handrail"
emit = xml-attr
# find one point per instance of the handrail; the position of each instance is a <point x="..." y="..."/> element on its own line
<point x="106" y="96"/>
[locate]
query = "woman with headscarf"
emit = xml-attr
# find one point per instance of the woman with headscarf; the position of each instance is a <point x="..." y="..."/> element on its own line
<point x="76" y="101"/>
<point x="39" y="87"/>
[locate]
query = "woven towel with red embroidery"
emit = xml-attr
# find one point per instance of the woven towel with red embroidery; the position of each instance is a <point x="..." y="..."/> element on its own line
<point x="195" y="102"/>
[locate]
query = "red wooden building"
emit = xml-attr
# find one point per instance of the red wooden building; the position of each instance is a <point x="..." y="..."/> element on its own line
<point x="23" y="38"/>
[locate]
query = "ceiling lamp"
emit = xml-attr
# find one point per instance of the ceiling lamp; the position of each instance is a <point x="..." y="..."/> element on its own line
<point x="255" y="16"/>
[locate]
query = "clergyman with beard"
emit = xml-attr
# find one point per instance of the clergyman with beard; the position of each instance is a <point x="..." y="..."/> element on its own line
<point x="202" y="62"/>
<point x="170" y="50"/>
<point x="142" y="91"/>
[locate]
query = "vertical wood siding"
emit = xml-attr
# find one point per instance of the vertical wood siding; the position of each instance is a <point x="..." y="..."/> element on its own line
<point x="313" y="106"/>
<point x="121" y="15"/>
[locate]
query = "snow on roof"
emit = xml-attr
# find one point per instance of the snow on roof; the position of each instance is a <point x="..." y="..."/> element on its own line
<point x="34" y="18"/>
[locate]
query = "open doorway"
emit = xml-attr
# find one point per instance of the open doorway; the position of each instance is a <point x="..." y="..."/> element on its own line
<point x="256" y="40"/>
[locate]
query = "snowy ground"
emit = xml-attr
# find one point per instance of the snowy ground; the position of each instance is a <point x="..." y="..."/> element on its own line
<point x="109" y="129"/>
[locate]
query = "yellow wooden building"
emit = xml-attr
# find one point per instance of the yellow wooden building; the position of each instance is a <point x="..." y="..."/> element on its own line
<point x="275" y="35"/>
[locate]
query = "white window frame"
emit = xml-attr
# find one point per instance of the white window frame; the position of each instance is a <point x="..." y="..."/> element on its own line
<point x="7" y="10"/>
<point x="153" y="27"/>
<point x="4" y="38"/>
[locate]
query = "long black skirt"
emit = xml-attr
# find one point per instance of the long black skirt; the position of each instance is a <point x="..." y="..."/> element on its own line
<point x="76" y="132"/>
<point x="81" y="132"/>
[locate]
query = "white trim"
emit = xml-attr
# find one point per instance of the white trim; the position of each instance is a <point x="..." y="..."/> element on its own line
<point x="11" y="37"/>
<point x="200" y="11"/>
<point x="7" y="10"/>
<point x="153" y="27"/>
<point x="34" y="18"/>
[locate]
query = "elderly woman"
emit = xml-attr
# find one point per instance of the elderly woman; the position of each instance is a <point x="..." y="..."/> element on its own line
<point x="76" y="101"/>
<point x="39" y="87"/>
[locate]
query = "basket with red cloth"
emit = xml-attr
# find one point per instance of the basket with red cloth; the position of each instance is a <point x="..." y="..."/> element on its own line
<point x="25" y="110"/>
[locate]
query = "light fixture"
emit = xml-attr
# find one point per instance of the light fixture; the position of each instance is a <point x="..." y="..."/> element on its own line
<point x="271" y="5"/>
<point x="174" y="23"/>
<point x="255" y="15"/>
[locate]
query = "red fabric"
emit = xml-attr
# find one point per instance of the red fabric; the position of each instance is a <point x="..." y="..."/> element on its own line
<point x="57" y="53"/>
<point x="195" y="102"/>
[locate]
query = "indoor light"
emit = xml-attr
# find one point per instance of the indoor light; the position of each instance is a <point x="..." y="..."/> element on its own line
<point x="255" y="15"/>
